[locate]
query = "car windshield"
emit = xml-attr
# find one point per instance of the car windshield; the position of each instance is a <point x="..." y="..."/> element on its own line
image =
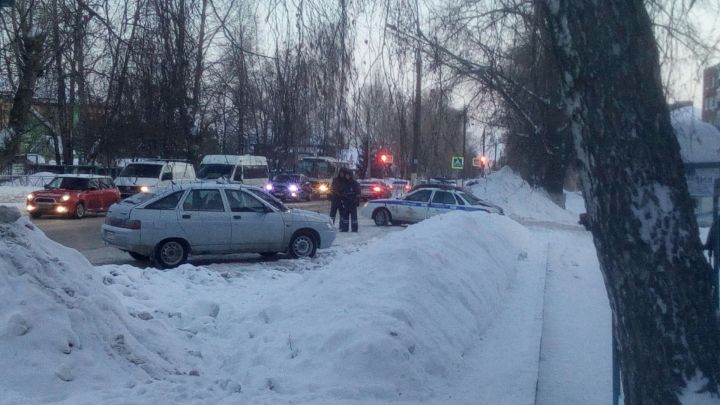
<point x="214" y="171"/>
<point x="141" y="170"/>
<point x="287" y="178"/>
<point x="472" y="199"/>
<point x="69" y="183"/>
<point x="138" y="198"/>
<point x="270" y="199"/>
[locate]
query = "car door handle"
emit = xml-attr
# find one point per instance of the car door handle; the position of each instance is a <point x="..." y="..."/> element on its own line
<point x="186" y="216"/>
<point x="237" y="216"/>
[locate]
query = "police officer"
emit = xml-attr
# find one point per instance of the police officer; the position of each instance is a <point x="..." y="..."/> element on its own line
<point x="336" y="190"/>
<point x="349" y="201"/>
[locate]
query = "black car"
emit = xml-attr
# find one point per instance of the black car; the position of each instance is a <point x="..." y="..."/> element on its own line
<point x="290" y="187"/>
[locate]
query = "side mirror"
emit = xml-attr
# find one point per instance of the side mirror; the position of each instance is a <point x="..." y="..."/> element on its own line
<point x="46" y="187"/>
<point x="166" y="176"/>
<point x="92" y="188"/>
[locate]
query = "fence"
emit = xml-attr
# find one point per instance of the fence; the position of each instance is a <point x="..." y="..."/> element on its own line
<point x="25" y="180"/>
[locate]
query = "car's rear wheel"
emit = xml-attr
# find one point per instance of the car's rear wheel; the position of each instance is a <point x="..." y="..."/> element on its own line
<point x="302" y="244"/>
<point x="79" y="211"/>
<point x="139" y="257"/>
<point x="381" y="216"/>
<point x="171" y="253"/>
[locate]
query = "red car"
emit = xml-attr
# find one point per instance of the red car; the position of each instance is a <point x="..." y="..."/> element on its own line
<point x="73" y="195"/>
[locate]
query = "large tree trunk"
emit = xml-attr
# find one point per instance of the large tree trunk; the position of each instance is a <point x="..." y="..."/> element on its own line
<point x="30" y="67"/>
<point x="646" y="235"/>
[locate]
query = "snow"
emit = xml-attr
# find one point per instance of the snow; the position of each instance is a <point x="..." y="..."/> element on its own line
<point x="699" y="141"/>
<point x="520" y="200"/>
<point x="461" y="308"/>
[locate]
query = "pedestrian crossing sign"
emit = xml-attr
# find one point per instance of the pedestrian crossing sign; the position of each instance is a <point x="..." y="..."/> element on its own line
<point x="457" y="162"/>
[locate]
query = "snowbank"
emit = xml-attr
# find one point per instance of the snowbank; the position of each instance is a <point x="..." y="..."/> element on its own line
<point x="519" y="199"/>
<point x="390" y="323"/>
<point x="699" y="141"/>
<point x="61" y="329"/>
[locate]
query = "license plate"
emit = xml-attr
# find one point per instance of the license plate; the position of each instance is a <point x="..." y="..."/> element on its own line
<point x="110" y="236"/>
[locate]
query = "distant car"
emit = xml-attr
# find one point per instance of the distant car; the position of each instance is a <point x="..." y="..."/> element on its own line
<point x="73" y="195"/>
<point x="424" y="203"/>
<point x="213" y="219"/>
<point x="290" y="187"/>
<point x="371" y="189"/>
<point x="421" y="186"/>
<point x="442" y="180"/>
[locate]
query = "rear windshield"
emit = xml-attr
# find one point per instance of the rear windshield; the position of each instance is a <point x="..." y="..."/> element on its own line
<point x="69" y="183"/>
<point x="214" y="171"/>
<point x="473" y="200"/>
<point x="141" y="170"/>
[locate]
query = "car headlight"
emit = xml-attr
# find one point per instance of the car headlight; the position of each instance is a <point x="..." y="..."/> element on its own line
<point x="65" y="197"/>
<point x="293" y="188"/>
<point x="144" y="189"/>
<point x="268" y="187"/>
<point x="323" y="188"/>
<point x="30" y="197"/>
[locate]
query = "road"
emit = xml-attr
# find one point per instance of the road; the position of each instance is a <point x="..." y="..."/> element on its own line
<point x="84" y="235"/>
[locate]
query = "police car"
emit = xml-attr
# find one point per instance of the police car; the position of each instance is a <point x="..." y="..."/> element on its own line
<point x="423" y="203"/>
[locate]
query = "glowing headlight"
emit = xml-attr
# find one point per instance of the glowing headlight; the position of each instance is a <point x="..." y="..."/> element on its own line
<point x="30" y="196"/>
<point x="268" y="187"/>
<point x="65" y="197"/>
<point x="144" y="189"/>
<point x="323" y="188"/>
<point x="293" y="188"/>
<point x="61" y="209"/>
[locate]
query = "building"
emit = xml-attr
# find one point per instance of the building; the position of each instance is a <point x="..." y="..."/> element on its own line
<point x="711" y="95"/>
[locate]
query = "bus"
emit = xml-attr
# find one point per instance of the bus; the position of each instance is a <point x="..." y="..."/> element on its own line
<point x="320" y="170"/>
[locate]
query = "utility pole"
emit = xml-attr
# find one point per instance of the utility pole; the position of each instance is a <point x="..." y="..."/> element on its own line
<point x="483" y="141"/>
<point x="418" y="100"/>
<point x="464" y="138"/>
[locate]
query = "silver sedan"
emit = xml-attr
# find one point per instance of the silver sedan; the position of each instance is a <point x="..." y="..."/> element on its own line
<point x="213" y="219"/>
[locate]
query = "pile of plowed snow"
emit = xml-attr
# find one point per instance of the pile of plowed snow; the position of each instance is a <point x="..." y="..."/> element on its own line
<point x="61" y="329"/>
<point x="391" y="322"/>
<point x="519" y="199"/>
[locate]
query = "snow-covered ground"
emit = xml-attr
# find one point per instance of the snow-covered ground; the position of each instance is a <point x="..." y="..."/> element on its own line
<point x="463" y="308"/>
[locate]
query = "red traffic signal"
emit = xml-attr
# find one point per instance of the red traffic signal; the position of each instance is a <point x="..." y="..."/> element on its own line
<point x="385" y="158"/>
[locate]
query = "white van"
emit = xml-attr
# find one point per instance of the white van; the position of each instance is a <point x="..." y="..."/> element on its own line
<point x="149" y="175"/>
<point x="246" y="169"/>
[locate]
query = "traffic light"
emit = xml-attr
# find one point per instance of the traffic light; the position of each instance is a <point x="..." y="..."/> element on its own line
<point x="385" y="158"/>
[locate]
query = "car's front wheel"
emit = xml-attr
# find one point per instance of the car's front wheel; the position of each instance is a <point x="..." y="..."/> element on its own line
<point x="302" y="244"/>
<point x="381" y="217"/>
<point x="171" y="253"/>
<point x="139" y="257"/>
<point x="79" y="211"/>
